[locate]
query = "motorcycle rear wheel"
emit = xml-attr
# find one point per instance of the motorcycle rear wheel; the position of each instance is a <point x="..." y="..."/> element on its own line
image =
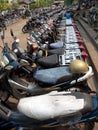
<point x="1" y="29"/>
<point x="89" y="125"/>
<point x="80" y="88"/>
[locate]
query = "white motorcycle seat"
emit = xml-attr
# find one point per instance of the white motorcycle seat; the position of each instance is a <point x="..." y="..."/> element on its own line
<point x="54" y="105"/>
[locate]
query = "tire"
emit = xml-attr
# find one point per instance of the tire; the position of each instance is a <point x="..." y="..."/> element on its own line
<point x="96" y="120"/>
<point x="76" y="16"/>
<point x="89" y="125"/>
<point x="80" y="88"/>
<point x="4" y="95"/>
<point x="25" y="29"/>
<point x="1" y="29"/>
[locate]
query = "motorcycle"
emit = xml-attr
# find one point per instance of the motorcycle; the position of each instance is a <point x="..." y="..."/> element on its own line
<point x="39" y="46"/>
<point x="35" y="58"/>
<point x="19" y="51"/>
<point x="35" y="53"/>
<point x="92" y="18"/>
<point x="59" y="78"/>
<point x="75" y="110"/>
<point x="29" y="26"/>
<point x="2" y="24"/>
<point x="64" y="48"/>
<point x="44" y="80"/>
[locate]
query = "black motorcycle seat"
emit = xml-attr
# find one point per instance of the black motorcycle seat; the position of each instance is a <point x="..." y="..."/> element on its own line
<point x="87" y="99"/>
<point x="53" y="76"/>
<point x="49" y="61"/>
<point x="59" y="51"/>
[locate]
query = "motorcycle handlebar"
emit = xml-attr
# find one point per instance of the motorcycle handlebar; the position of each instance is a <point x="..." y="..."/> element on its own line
<point x="25" y="69"/>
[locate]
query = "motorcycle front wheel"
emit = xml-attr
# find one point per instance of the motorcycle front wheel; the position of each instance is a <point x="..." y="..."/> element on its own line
<point x="25" y="29"/>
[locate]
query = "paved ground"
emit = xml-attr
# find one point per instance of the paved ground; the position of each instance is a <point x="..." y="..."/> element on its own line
<point x="17" y="29"/>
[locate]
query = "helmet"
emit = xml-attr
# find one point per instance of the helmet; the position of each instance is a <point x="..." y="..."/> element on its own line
<point x="78" y="67"/>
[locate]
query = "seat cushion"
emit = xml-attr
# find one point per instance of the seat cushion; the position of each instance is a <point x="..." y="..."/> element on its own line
<point x="49" y="61"/>
<point x="55" y="104"/>
<point x="59" y="51"/>
<point x="56" y="45"/>
<point x="53" y="76"/>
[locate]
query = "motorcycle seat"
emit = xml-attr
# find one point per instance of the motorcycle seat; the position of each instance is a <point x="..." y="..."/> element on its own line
<point x="52" y="76"/>
<point x="55" y="105"/>
<point x="56" y="45"/>
<point x="59" y="51"/>
<point x="49" y="61"/>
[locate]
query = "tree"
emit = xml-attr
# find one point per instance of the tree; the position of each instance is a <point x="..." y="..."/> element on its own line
<point x="4" y="5"/>
<point x="41" y="3"/>
<point x="69" y="2"/>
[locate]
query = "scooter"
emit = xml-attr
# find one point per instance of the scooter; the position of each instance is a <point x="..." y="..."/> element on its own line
<point x="34" y="53"/>
<point x="29" y="26"/>
<point x="44" y="81"/>
<point x="60" y="78"/>
<point x="35" y="57"/>
<point x="19" y="51"/>
<point x="70" y="48"/>
<point x="72" y="110"/>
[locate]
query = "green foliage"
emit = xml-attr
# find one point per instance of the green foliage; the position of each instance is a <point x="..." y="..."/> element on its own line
<point x="4" y="5"/>
<point x="69" y="2"/>
<point x="3" y="1"/>
<point x="14" y="5"/>
<point x="38" y="3"/>
<point x="41" y="3"/>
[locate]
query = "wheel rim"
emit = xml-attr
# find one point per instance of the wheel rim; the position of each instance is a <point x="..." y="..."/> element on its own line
<point x="24" y="29"/>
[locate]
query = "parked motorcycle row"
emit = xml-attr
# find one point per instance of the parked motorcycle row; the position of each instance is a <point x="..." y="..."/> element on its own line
<point x="48" y="79"/>
<point x="9" y="17"/>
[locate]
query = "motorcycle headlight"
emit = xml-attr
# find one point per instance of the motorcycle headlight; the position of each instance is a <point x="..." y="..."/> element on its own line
<point x="15" y="50"/>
